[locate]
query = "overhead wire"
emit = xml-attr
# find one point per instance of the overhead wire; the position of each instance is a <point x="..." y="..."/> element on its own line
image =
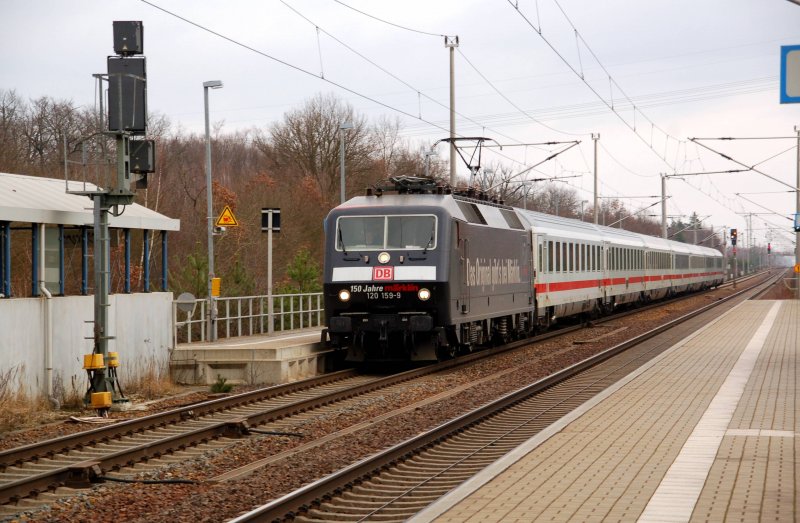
<point x="592" y="88"/>
<point x="388" y="22"/>
<point x="292" y="66"/>
<point x="386" y="71"/>
<point x="418" y="91"/>
<point x="475" y="68"/>
<point x="309" y="73"/>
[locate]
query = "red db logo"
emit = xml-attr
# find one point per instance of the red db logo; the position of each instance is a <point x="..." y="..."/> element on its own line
<point x="383" y="273"/>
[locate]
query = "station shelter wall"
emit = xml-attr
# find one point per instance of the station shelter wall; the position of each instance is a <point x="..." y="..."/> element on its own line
<point x="141" y="324"/>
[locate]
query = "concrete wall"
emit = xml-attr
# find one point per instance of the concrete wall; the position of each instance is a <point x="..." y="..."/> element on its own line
<point x="141" y="324"/>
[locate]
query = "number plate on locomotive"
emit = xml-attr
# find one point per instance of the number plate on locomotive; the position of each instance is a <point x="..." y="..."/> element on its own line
<point x="394" y="291"/>
<point x="383" y="273"/>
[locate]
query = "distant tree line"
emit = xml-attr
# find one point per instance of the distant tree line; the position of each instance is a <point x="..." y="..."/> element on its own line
<point x="292" y="164"/>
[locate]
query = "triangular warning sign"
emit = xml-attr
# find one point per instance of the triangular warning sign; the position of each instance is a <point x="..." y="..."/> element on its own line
<point x="226" y="219"/>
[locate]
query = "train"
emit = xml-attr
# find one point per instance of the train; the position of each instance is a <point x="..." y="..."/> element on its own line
<point x="415" y="271"/>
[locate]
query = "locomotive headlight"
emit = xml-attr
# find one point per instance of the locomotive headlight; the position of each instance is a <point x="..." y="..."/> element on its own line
<point x="384" y="257"/>
<point x="344" y="295"/>
<point x="424" y="294"/>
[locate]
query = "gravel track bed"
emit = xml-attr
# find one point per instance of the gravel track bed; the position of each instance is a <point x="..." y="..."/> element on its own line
<point x="217" y="501"/>
<point x="778" y="290"/>
<point x="64" y="426"/>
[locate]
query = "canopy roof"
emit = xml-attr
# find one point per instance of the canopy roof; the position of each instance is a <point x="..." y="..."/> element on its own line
<point x="45" y="200"/>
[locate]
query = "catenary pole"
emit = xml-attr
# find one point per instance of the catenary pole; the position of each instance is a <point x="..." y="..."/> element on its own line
<point x="452" y="42"/>
<point x="595" y="137"/>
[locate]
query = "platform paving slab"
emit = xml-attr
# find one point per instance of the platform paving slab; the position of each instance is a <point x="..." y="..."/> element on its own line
<point x="704" y="432"/>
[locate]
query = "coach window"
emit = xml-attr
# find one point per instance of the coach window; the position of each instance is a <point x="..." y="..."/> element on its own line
<point x="571" y="257"/>
<point x="540" y="261"/>
<point x="558" y="257"/>
<point x="586" y="258"/>
<point x="582" y="266"/>
<point x="550" y="254"/>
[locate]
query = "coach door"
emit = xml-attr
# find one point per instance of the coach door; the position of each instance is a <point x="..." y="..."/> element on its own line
<point x="536" y="264"/>
<point x="606" y="259"/>
<point x="464" y="291"/>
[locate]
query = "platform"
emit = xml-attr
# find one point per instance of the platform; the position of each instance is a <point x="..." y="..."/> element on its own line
<point x="262" y="359"/>
<point x="707" y="431"/>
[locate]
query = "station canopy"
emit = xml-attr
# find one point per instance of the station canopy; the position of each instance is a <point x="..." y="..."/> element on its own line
<point x="33" y="199"/>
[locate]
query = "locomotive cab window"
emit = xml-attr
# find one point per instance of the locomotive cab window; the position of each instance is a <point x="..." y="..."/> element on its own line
<point x="386" y="232"/>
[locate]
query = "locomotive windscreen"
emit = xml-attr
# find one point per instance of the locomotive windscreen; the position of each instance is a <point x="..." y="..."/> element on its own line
<point x="386" y="232"/>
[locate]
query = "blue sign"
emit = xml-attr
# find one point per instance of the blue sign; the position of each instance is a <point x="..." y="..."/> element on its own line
<point x="790" y="74"/>
<point x="797" y="222"/>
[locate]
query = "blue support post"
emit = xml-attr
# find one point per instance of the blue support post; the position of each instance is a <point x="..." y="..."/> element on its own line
<point x="60" y="260"/>
<point x="35" y="259"/>
<point x="127" y="235"/>
<point x="5" y="259"/>
<point x="163" y="260"/>
<point x="84" y="261"/>
<point x="146" y="255"/>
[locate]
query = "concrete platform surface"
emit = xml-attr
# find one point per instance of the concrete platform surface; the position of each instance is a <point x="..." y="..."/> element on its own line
<point x="707" y="431"/>
<point x="259" y="359"/>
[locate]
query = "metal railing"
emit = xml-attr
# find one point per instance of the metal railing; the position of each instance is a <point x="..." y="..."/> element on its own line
<point x="248" y="315"/>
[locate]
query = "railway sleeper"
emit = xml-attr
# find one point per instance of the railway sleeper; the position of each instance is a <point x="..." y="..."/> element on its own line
<point x="338" y="505"/>
<point x="419" y="475"/>
<point x="383" y="497"/>
<point x="442" y="466"/>
<point x="389" y="480"/>
<point x="373" y="489"/>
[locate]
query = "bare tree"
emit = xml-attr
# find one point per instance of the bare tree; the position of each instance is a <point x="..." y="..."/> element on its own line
<point x="308" y="140"/>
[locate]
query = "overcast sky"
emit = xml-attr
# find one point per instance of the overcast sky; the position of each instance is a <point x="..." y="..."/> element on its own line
<point x="707" y="68"/>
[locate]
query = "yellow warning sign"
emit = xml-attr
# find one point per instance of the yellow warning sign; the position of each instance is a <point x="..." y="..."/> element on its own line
<point x="226" y="219"/>
<point x="797" y="268"/>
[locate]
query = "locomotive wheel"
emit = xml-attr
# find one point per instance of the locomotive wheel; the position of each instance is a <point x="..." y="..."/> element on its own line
<point x="445" y="352"/>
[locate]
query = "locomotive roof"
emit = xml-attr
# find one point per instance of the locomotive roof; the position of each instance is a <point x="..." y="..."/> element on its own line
<point x="540" y="222"/>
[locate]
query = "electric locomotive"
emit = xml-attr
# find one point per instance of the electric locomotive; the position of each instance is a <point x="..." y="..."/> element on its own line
<point x="409" y="277"/>
<point x="417" y="272"/>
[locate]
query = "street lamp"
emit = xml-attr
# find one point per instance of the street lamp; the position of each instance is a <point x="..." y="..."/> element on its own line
<point x="212" y="307"/>
<point x="342" y="128"/>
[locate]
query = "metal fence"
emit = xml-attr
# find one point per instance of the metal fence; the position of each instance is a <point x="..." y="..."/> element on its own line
<point x="248" y="315"/>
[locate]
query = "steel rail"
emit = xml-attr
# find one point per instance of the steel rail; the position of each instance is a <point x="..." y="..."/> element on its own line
<point x="34" y="484"/>
<point x="48" y="448"/>
<point x="313" y="494"/>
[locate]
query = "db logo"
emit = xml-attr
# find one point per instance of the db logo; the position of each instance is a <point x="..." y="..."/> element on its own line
<point x="383" y="273"/>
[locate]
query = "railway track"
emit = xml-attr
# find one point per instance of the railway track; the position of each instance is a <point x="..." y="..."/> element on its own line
<point x="395" y="484"/>
<point x="79" y="459"/>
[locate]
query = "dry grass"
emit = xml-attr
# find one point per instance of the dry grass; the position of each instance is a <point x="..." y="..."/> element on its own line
<point x="152" y="381"/>
<point x="18" y="409"/>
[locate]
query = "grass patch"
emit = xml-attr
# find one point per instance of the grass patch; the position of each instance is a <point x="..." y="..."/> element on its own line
<point x="151" y="382"/>
<point x="18" y="409"/>
<point x="221" y="385"/>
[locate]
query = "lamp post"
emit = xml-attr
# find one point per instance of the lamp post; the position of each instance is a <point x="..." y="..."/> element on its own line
<point x="342" y="129"/>
<point x="212" y="307"/>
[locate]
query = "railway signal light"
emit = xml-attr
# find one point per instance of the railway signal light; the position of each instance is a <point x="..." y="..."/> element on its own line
<point x="734" y="234"/>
